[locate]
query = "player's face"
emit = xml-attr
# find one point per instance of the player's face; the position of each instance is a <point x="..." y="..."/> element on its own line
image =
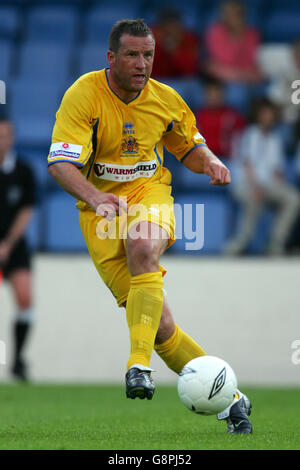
<point x="131" y="66"/>
<point x="6" y="138"/>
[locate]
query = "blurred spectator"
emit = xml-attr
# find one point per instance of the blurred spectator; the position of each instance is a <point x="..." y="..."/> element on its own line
<point x="294" y="241"/>
<point x="232" y="46"/>
<point x="282" y="76"/>
<point x="261" y="180"/>
<point x="176" y="50"/>
<point x="220" y="124"/>
<point x="17" y="198"/>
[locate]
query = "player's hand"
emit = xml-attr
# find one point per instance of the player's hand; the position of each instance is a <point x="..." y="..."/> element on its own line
<point x="109" y="205"/>
<point x="218" y="172"/>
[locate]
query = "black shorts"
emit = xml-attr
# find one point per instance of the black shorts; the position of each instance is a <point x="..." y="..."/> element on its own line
<point x="19" y="259"/>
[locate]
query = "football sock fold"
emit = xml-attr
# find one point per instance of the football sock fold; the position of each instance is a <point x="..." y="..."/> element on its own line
<point x="143" y="311"/>
<point x="178" y="350"/>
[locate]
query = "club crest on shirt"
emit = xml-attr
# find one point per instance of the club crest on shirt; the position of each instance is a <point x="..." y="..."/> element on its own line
<point x="129" y="146"/>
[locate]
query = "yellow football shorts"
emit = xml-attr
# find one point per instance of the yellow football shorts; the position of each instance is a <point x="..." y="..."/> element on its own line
<point x="106" y="241"/>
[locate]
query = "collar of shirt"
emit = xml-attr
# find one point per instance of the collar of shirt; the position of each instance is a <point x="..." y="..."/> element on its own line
<point x="9" y="162"/>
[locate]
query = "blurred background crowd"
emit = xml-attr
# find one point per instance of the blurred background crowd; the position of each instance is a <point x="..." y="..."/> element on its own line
<point x="236" y="63"/>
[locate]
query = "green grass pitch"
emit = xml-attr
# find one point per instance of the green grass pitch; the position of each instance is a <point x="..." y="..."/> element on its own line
<point x="100" y="417"/>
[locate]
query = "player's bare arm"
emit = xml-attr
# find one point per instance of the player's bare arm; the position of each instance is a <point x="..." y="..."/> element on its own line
<point x="203" y="160"/>
<point x="73" y="182"/>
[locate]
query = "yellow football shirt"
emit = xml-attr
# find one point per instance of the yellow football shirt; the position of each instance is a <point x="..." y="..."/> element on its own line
<point x="119" y="146"/>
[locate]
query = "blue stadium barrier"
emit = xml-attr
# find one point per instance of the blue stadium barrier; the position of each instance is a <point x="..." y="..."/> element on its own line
<point x="191" y="13"/>
<point x="237" y="95"/>
<point x="282" y="25"/>
<point x="161" y="4"/>
<point x="206" y="4"/>
<point x="190" y="89"/>
<point x="258" y="244"/>
<point x="37" y="160"/>
<point x="92" y="57"/>
<point x="34" y="232"/>
<point x="99" y="20"/>
<point x="10" y="21"/>
<point x="134" y="5"/>
<point x="190" y="181"/>
<point x="45" y="62"/>
<point x="6" y="53"/>
<point x="285" y="4"/>
<point x="184" y="180"/>
<point x="33" y="108"/>
<point x="175" y="167"/>
<point x="212" y="230"/>
<point x="33" y="3"/>
<point x="63" y="231"/>
<point x="211" y="15"/>
<point x="291" y="171"/>
<point x="52" y="24"/>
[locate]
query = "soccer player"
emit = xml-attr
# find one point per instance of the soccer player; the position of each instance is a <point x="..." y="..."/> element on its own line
<point x="17" y="199"/>
<point x="107" y="151"/>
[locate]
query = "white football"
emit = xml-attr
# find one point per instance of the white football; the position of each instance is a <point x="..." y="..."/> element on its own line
<point x="207" y="385"/>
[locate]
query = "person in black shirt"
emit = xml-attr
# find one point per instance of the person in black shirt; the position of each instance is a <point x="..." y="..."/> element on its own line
<point x="17" y="200"/>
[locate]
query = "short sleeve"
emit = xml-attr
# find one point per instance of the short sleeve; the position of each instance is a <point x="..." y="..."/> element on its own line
<point x="182" y="135"/>
<point x="73" y="129"/>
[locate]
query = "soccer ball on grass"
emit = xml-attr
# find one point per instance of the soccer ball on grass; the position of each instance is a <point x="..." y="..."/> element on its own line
<point x="207" y="385"/>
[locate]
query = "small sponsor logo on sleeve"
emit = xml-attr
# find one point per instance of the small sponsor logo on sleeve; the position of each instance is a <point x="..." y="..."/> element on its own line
<point x="65" y="150"/>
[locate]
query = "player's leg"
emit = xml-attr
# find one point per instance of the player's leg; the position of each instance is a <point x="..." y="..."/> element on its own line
<point x="21" y="283"/>
<point x="145" y="297"/>
<point x="150" y="230"/>
<point x="155" y="328"/>
<point x="143" y="287"/>
<point x="144" y="303"/>
<point x="172" y="344"/>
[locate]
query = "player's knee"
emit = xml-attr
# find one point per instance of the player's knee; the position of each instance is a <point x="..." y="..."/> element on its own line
<point x="143" y="256"/>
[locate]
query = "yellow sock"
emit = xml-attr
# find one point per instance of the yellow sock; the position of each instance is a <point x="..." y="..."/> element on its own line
<point x="178" y="350"/>
<point x="143" y="311"/>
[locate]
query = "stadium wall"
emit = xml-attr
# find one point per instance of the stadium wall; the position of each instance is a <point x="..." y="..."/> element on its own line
<point x="243" y="310"/>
